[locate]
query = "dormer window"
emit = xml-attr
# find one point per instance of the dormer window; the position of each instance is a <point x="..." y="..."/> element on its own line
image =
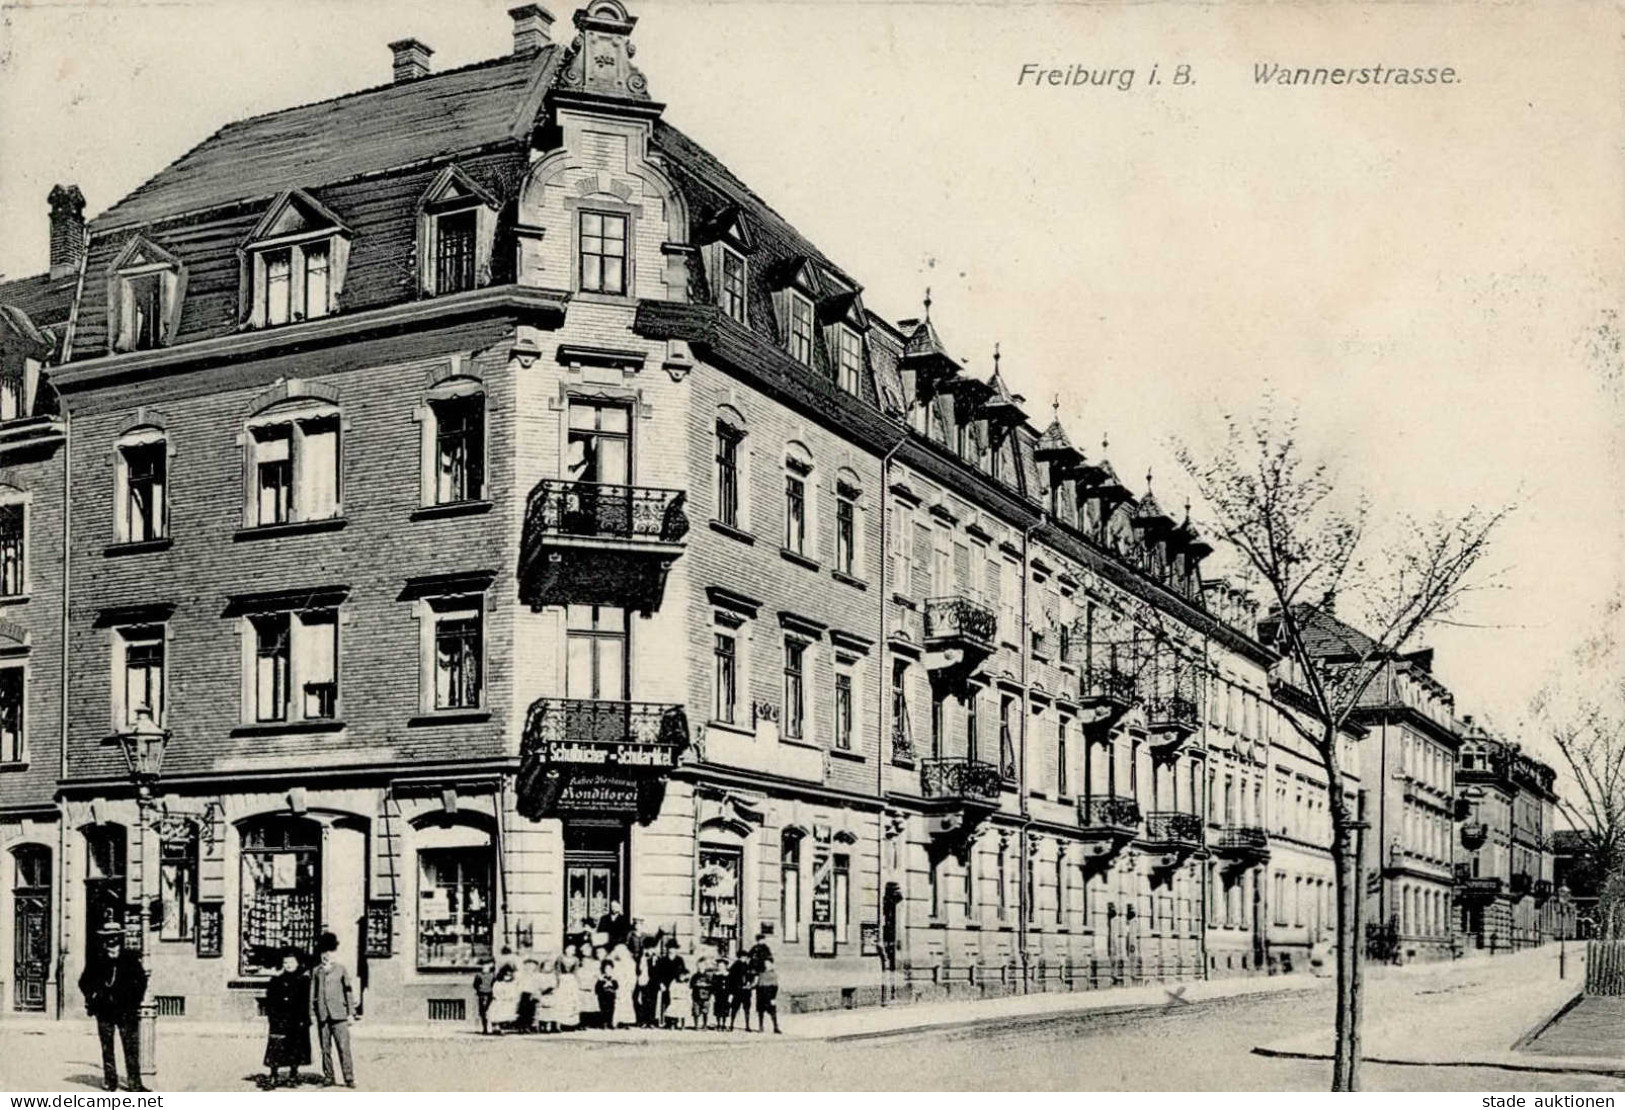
<point x="456" y="226"/>
<point x="800" y="311"/>
<point x="850" y="356"/>
<point x="144" y="289"/>
<point x="294" y="262"/>
<point x="732" y="285"/>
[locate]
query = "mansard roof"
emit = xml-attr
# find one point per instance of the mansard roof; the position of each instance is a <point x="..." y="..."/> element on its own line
<point x="470" y="108"/>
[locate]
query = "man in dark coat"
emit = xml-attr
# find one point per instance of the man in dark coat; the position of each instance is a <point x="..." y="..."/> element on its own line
<point x="615" y="925"/>
<point x="113" y="983"/>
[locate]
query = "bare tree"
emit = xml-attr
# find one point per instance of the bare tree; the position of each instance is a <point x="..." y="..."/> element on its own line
<point x="1583" y="710"/>
<point x="1309" y="544"/>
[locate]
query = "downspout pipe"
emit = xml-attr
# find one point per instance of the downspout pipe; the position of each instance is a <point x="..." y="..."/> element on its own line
<point x="1025" y="639"/>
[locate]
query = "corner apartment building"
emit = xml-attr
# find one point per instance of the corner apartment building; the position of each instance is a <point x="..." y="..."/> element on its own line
<point x="1507" y="871"/>
<point x="503" y="512"/>
<point x="1408" y="771"/>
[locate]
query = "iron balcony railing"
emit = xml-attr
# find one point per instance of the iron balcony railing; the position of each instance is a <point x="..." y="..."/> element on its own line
<point x="1109" y="811"/>
<point x="1542" y="890"/>
<point x="902" y="742"/>
<point x="1473" y="835"/>
<point x="628" y="733"/>
<point x="1521" y="883"/>
<point x="959" y="777"/>
<point x="598" y="511"/>
<point x="959" y="618"/>
<point x="1175" y="712"/>
<point x="1173" y="827"/>
<point x="1243" y="839"/>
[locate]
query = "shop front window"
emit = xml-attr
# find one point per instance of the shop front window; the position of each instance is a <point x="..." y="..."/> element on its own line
<point x="281" y="892"/>
<point x="177" y="887"/>
<point x="454" y="907"/>
<point x="719" y="898"/>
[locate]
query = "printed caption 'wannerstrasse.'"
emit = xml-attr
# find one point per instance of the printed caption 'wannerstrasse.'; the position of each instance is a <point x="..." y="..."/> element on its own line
<point x="1122" y="79"/>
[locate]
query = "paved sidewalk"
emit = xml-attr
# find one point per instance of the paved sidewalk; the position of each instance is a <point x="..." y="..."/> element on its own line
<point x="1470" y="1013"/>
<point x="822" y="1025"/>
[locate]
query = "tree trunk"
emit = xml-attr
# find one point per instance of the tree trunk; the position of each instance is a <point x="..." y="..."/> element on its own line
<point x="1346" y="864"/>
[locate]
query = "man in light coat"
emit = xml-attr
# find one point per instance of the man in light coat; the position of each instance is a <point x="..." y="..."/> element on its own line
<point x="332" y="1001"/>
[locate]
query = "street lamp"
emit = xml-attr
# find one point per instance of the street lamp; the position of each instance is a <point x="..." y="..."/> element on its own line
<point x="143" y="747"/>
<point x="1563" y="931"/>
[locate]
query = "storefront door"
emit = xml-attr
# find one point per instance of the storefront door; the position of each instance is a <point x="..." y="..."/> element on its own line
<point x="594" y="874"/>
<point x="31" y="917"/>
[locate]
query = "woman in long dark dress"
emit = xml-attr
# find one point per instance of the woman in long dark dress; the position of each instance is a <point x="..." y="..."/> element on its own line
<point x="287" y="1016"/>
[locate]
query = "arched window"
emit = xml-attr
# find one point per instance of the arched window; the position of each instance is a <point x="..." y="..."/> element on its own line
<point x="453" y="420"/>
<point x="141" y="477"/>
<point x="730" y="468"/>
<point x="790" y="885"/>
<point x="293" y="463"/>
<point x="798" y="501"/>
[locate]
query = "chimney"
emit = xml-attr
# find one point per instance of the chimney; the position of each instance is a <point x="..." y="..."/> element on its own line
<point x="67" y="229"/>
<point x="532" y="26"/>
<point x="411" y="60"/>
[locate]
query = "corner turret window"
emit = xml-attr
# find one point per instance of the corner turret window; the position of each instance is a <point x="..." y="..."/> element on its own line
<point x="602" y="246"/>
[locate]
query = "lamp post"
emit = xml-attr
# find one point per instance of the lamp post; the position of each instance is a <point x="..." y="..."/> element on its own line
<point x="1563" y="931"/>
<point x="143" y="747"/>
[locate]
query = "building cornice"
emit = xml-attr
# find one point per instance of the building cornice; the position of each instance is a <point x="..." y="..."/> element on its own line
<point x="542" y="308"/>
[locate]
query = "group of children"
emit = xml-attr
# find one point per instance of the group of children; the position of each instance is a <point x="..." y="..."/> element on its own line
<point x="653" y="987"/>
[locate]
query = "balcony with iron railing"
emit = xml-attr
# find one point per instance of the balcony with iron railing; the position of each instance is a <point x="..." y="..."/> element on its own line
<point x="960" y="782"/>
<point x="1542" y="891"/>
<point x="627" y="734"/>
<point x="1107" y="823"/>
<point x="1172" y="835"/>
<point x="1170" y="720"/>
<point x="1242" y="846"/>
<point x="1520" y="886"/>
<point x="1110" y="681"/>
<point x="959" y="634"/>
<point x="590" y="543"/>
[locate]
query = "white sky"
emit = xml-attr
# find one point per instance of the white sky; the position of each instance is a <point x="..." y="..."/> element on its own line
<point x="1435" y="272"/>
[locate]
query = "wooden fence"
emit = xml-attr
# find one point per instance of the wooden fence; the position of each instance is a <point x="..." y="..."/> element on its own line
<point x="1605" y="967"/>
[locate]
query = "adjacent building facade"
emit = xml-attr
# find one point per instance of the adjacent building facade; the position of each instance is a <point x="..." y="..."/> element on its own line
<point x="504" y="514"/>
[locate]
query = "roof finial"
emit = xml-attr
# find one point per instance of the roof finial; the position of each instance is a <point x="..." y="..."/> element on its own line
<point x="1055" y="406"/>
<point x="928" y="302"/>
<point x="995" y="356"/>
<point x="1105" y="443"/>
<point x="1148" y="479"/>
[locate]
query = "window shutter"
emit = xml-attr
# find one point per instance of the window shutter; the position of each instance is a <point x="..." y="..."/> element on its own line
<point x="962" y="568"/>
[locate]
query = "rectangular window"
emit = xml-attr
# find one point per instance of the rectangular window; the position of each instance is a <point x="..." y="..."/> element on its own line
<point x="13" y="393"/>
<point x="843" y="708"/>
<point x="595" y="653"/>
<point x="273" y="469"/>
<point x="971" y="743"/>
<point x="1007" y="740"/>
<point x="143" y="685"/>
<point x="317" y="280"/>
<point x="177" y="888"/>
<point x="459" y="424"/>
<point x="1060" y="887"/>
<point x="459" y="644"/>
<point x="11" y="715"/>
<point x="279" y="286"/>
<point x="902" y="731"/>
<point x="845" y="536"/>
<point x="1062" y="783"/>
<point x="454" y="907"/>
<point x="146" y="304"/>
<point x="295" y="665"/>
<point x="454" y="252"/>
<point x="12" y="579"/>
<point x="801" y="329"/>
<point x="795" y="690"/>
<point x="937" y="722"/>
<point x="733" y="285"/>
<point x="273" y="657"/>
<point x="851" y="357"/>
<point x="728" y="475"/>
<point x="726" y="657"/>
<point x="146" y="506"/>
<point x="795" y="514"/>
<point x="603" y="253"/>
